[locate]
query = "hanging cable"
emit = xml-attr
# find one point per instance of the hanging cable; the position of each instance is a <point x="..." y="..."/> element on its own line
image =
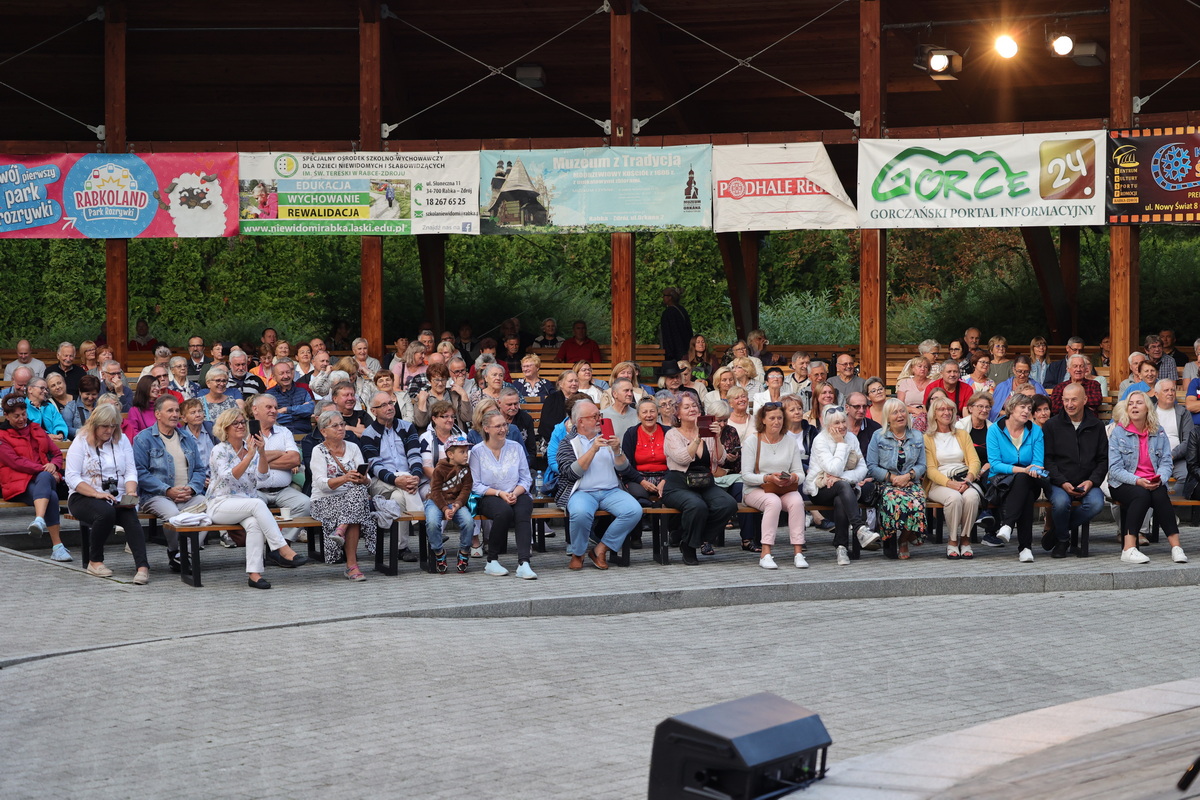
<point x="1140" y="102"/>
<point x="96" y="129"/>
<point x="97" y="14"/>
<point x="492" y="71"/>
<point x="744" y="62"/>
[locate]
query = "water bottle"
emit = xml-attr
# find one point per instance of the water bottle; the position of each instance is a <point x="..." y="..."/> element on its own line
<point x="537" y="483"/>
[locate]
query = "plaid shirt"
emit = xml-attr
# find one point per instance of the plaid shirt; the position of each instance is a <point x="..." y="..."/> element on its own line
<point x="1168" y="369"/>
<point x="1091" y="387"/>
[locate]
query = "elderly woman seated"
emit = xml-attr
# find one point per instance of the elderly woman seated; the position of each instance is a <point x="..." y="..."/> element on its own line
<point x="910" y="387"/>
<point x="31" y="468"/>
<point x="836" y="470"/>
<point x="339" y="495"/>
<point x="532" y="387"/>
<point x="180" y="382"/>
<point x="78" y="410"/>
<point x="216" y="400"/>
<point x="896" y="462"/>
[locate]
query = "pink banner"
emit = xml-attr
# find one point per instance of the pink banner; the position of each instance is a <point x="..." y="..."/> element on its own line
<point x="118" y="196"/>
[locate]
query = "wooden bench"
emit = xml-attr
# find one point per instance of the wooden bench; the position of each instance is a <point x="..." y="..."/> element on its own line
<point x="189" y="543"/>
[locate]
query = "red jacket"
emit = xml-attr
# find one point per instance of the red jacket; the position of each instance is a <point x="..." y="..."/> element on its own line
<point x="23" y="454"/>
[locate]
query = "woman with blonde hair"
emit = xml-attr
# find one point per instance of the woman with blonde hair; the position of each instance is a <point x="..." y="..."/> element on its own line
<point x="951" y="467"/>
<point x="745" y="376"/>
<point x="99" y="470"/>
<point x="896" y="462"/>
<point x="412" y="365"/>
<point x="722" y="382"/>
<point x="739" y="412"/>
<point x="1037" y="359"/>
<point x="236" y="467"/>
<point x="1139" y="466"/>
<point x="623" y="370"/>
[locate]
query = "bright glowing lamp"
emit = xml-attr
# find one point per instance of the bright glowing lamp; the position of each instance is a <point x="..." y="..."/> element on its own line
<point x="1006" y="46"/>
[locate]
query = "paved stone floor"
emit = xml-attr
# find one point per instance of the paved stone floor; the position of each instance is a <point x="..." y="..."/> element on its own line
<point x="323" y="688"/>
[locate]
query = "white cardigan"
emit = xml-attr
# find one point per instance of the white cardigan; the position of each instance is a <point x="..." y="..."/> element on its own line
<point x="830" y="459"/>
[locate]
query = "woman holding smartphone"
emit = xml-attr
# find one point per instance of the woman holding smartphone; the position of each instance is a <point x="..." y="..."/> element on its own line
<point x="1139" y="466"/>
<point x="339" y="495"/>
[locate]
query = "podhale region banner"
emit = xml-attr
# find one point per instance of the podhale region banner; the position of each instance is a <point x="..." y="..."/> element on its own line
<point x="118" y="196"/>
<point x="772" y="187"/>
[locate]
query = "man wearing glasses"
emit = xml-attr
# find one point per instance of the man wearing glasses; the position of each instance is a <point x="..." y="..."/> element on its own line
<point x="197" y="361"/>
<point x="1022" y="369"/>
<point x="295" y="404"/>
<point x="857" y="421"/>
<point x="392" y="449"/>
<point x="283" y="459"/>
<point x="112" y="378"/>
<point x="846" y="381"/>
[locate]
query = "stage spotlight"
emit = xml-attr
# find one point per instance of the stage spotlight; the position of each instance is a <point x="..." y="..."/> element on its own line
<point x="1061" y="44"/>
<point x="1006" y="46"/>
<point x="941" y="64"/>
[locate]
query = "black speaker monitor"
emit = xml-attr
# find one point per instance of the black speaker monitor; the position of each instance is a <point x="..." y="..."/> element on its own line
<point x="758" y="747"/>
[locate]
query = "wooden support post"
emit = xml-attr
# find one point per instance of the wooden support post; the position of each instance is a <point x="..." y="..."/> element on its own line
<point x="750" y="268"/>
<point x="116" y="251"/>
<point x="1124" y="276"/>
<point x="1068" y="259"/>
<point x="624" y="301"/>
<point x="740" y="259"/>
<point x="432" y="252"/>
<point x="370" y="117"/>
<point x="1040" y="245"/>
<point x="872" y="262"/>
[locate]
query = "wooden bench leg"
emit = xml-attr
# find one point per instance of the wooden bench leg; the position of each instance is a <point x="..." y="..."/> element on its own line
<point x="189" y="558"/>
<point x="855" y="548"/>
<point x="316" y="545"/>
<point x="539" y="530"/>
<point x="937" y="521"/>
<point x="1085" y="533"/>
<point x="662" y="540"/>
<point x="387" y="550"/>
<point x="1153" y="537"/>
<point x="621" y="557"/>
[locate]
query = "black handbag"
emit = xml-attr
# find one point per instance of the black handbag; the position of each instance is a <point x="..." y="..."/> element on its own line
<point x="698" y="478"/>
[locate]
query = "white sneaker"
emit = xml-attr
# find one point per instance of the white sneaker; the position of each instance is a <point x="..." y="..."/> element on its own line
<point x="1135" y="556"/>
<point x="524" y="571"/>
<point x="807" y="520"/>
<point x="1177" y="555"/>
<point x="768" y="562"/>
<point x="1026" y="556"/>
<point x="1005" y="533"/>
<point x="495" y="568"/>
<point x="843" y="557"/>
<point x="801" y="563"/>
<point x="866" y="536"/>
<point x="118" y="529"/>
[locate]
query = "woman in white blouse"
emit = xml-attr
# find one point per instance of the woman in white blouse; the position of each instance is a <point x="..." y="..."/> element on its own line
<point x="951" y="466"/>
<point x="774" y="391"/>
<point x="772" y="471"/>
<point x="500" y="476"/>
<point x="836" y="467"/>
<point x="99" y="470"/>
<point x="235" y="468"/>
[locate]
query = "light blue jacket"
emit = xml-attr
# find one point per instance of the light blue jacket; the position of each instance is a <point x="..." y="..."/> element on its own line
<point x="156" y="468"/>
<point x="48" y="417"/>
<point x="1003" y="454"/>
<point x="1123" y="449"/>
<point x="883" y="454"/>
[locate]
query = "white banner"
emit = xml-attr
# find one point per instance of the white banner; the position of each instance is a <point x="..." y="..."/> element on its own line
<point x="982" y="182"/>
<point x="308" y="194"/>
<point x="772" y="187"/>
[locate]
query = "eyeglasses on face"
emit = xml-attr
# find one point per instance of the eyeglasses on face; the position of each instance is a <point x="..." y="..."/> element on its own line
<point x="860" y="407"/>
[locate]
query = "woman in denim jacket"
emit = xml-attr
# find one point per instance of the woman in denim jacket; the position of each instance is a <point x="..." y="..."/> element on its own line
<point x="1139" y="465"/>
<point x="896" y="462"/>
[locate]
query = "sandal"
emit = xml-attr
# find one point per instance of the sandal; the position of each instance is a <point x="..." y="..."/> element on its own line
<point x="952" y="550"/>
<point x="464" y="559"/>
<point x="338" y="536"/>
<point x="355" y="574"/>
<point x="706" y="549"/>
<point x="751" y="547"/>
<point x="904" y="556"/>
<point x="967" y="552"/>
<point x="439" y="562"/>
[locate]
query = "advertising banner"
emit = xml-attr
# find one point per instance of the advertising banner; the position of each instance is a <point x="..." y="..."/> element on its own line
<point x="771" y="187"/>
<point x="1154" y="176"/>
<point x="118" y="196"/>
<point x="982" y="182"/>
<point x="378" y="194"/>
<point x="593" y="189"/>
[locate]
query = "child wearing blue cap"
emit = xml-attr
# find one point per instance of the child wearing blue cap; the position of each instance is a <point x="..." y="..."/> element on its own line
<point x="449" y="490"/>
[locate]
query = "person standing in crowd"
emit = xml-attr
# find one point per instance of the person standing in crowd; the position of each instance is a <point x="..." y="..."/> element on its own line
<point x="674" y="326"/>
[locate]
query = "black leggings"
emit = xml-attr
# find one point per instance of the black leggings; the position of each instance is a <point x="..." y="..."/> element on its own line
<point x="100" y="516"/>
<point x="504" y="518"/>
<point x="1135" y="501"/>
<point x="1017" y="510"/>
<point x="846" y="513"/>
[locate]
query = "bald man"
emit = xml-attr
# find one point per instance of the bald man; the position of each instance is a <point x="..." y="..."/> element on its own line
<point x="25" y="359"/>
<point x="1076" y="450"/>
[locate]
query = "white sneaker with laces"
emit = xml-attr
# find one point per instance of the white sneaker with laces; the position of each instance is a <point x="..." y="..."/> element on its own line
<point x="843" y="557"/>
<point x="1135" y="556"/>
<point x="1177" y="555"/>
<point x="800" y="561"/>
<point x="768" y="562"/>
<point x="866" y="536"/>
<point x="1005" y="533"/>
<point x="524" y="571"/>
<point x="495" y="568"/>
<point x="1026" y="556"/>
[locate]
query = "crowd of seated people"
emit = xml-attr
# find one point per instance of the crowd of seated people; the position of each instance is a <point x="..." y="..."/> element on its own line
<point x="984" y="433"/>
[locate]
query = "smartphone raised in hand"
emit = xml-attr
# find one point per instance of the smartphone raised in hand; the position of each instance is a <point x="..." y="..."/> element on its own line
<point x="255" y="427"/>
<point x="362" y="469"/>
<point x="606" y="429"/>
<point x="705" y="422"/>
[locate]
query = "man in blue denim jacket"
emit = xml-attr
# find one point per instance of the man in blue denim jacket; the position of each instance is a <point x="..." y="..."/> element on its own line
<point x="170" y="473"/>
<point x="294" y="402"/>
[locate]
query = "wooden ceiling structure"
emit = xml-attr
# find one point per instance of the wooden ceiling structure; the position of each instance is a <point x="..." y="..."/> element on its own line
<point x="322" y="75"/>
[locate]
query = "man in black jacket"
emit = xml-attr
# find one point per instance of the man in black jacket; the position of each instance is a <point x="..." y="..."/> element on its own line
<point x="1077" y="460"/>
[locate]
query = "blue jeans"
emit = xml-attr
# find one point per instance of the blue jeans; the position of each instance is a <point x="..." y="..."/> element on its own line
<point x="582" y="507"/>
<point x="435" y="519"/>
<point x="1066" y="516"/>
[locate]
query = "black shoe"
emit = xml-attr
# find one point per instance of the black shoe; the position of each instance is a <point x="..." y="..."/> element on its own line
<point x="674" y="538"/>
<point x="689" y="555"/>
<point x="826" y="524"/>
<point x="635" y="542"/>
<point x="173" y="562"/>
<point x="1060" y="550"/>
<point x="1049" y="541"/>
<point x="407" y="555"/>
<point x="988" y="523"/>
<point x="261" y="583"/>
<point x="279" y="561"/>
